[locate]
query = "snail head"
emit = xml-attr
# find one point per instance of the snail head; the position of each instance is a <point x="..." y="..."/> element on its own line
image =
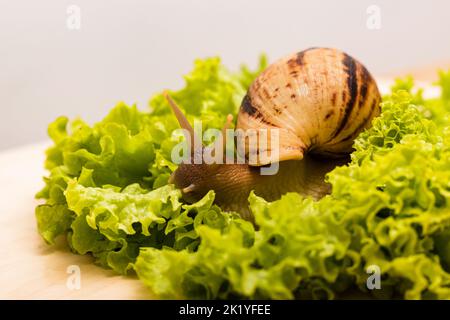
<point x="193" y="177"/>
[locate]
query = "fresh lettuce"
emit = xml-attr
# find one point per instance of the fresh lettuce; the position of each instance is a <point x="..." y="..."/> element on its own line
<point x="107" y="191"/>
<point x="107" y="185"/>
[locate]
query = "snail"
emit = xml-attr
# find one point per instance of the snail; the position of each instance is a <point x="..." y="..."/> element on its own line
<point x="319" y="100"/>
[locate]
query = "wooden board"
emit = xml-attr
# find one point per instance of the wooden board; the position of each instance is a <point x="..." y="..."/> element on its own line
<point x="31" y="269"/>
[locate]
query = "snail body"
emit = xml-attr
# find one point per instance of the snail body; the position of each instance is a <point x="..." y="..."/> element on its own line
<point x="318" y="100"/>
<point x="232" y="183"/>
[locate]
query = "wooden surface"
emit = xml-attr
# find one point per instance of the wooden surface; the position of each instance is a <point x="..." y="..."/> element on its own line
<point x="31" y="269"/>
<point x="424" y="74"/>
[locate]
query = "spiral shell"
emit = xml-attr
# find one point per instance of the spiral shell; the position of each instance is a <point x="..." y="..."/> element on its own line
<point x="319" y="99"/>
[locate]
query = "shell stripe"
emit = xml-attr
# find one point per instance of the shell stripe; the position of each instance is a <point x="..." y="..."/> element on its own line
<point x="301" y="55"/>
<point x="365" y="77"/>
<point x="248" y="107"/>
<point x="352" y="85"/>
<point x="300" y="58"/>
<point x="364" y="123"/>
<point x="368" y="118"/>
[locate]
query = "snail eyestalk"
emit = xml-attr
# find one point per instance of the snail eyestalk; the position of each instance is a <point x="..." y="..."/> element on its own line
<point x="183" y="121"/>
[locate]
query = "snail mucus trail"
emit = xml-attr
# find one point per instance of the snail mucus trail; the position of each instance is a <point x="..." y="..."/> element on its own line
<point x="319" y="100"/>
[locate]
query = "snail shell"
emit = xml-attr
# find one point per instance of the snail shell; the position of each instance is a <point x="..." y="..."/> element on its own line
<point x="319" y="99"/>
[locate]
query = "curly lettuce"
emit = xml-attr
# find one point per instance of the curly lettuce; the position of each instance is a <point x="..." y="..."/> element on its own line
<point x="107" y="188"/>
<point x="107" y="191"/>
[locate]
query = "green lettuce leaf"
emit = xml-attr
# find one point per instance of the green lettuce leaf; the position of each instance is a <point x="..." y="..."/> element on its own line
<point x="107" y="191"/>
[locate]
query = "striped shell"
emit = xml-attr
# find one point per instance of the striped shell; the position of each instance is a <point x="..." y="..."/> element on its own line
<point x="320" y="99"/>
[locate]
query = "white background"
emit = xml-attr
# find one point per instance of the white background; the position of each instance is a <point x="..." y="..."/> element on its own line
<point x="127" y="50"/>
